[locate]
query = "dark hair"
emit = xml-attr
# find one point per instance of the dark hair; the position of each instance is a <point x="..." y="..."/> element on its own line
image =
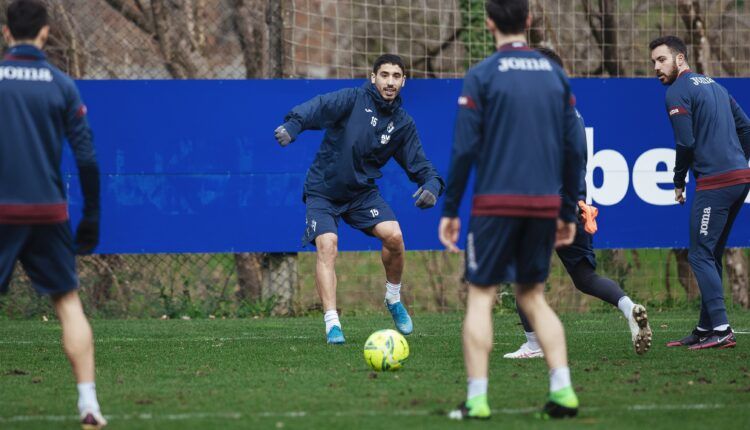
<point x="26" y="18"/>
<point x="509" y="16"/>
<point x="551" y="54"/>
<point x="388" y="59"/>
<point x="674" y="43"/>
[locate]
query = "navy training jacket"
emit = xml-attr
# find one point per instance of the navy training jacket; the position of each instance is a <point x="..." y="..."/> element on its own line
<point x="362" y="132"/>
<point x="40" y="106"/>
<point x="517" y="122"/>
<point x="712" y="133"/>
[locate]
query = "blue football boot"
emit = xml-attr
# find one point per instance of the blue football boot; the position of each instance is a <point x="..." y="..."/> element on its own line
<point x="400" y="317"/>
<point x="335" y="336"/>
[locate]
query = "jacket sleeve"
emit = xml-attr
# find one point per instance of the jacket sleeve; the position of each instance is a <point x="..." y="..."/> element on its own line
<point x="320" y="112"/>
<point x="80" y="138"/>
<point x="574" y="156"/>
<point x="411" y="157"/>
<point x="742" y="123"/>
<point x="466" y="142"/>
<point x="680" y="115"/>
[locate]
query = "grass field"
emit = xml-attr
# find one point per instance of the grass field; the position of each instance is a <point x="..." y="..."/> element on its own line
<point x="279" y="373"/>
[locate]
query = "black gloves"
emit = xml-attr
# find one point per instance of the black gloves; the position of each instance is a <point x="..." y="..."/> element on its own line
<point x="87" y="237"/>
<point x="427" y="194"/>
<point x="282" y="136"/>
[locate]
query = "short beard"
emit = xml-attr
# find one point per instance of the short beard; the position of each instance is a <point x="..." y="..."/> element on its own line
<point x="673" y="76"/>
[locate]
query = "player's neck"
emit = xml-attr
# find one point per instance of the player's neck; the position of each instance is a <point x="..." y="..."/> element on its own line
<point x="504" y="39"/>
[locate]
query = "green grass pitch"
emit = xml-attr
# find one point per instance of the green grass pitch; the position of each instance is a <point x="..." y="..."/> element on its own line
<point x="279" y="373"/>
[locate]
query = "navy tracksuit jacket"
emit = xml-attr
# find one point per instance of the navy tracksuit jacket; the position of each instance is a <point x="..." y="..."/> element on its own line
<point x="528" y="148"/>
<point x="40" y="106"/>
<point x="712" y="136"/>
<point x="362" y="133"/>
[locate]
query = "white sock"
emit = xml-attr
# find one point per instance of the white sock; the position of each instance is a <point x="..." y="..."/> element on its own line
<point x="87" y="397"/>
<point x="559" y="378"/>
<point x="392" y="293"/>
<point x="476" y="387"/>
<point x="331" y="319"/>
<point x="532" y="341"/>
<point x="626" y="306"/>
<point x="722" y="327"/>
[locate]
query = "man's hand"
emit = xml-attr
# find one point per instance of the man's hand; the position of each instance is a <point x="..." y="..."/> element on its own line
<point x="448" y="232"/>
<point x="87" y="237"/>
<point x="282" y="136"/>
<point x="425" y="198"/>
<point x="566" y="233"/>
<point x="679" y="196"/>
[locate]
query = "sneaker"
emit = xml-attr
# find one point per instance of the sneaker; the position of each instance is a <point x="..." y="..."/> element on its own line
<point x="525" y="352"/>
<point x="475" y="408"/>
<point x="400" y="317"/>
<point x="717" y="339"/>
<point x="640" y="331"/>
<point x="335" y="336"/>
<point x="560" y="404"/>
<point x="693" y="338"/>
<point x="92" y="420"/>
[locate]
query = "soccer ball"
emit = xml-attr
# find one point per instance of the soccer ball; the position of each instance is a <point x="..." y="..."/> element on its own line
<point x="386" y="350"/>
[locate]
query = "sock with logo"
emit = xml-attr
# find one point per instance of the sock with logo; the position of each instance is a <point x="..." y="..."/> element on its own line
<point x="532" y="341"/>
<point x="331" y="319"/>
<point x="392" y="293"/>
<point x="87" y="401"/>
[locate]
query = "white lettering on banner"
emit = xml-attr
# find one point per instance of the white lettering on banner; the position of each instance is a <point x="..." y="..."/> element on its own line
<point x="616" y="175"/>
<point x="647" y="177"/>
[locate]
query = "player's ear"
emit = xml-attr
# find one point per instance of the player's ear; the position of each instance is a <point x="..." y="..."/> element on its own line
<point x="372" y="78"/>
<point x="528" y="21"/>
<point x="7" y="36"/>
<point x="403" y="82"/>
<point x="490" y="24"/>
<point x="43" y="35"/>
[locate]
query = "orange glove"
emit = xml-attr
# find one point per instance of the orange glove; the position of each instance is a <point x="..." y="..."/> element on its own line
<point x="588" y="215"/>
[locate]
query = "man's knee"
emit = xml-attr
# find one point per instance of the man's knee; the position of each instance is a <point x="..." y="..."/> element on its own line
<point x="393" y="239"/>
<point x="327" y="245"/>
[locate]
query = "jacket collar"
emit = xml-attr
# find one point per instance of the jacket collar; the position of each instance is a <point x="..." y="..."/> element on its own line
<point x="24" y="53"/>
<point x="514" y="46"/>
<point x="382" y="105"/>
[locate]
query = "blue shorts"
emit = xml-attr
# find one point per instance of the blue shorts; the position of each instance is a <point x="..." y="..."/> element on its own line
<point x="581" y="249"/>
<point x="45" y="252"/>
<point x="362" y="213"/>
<point x="509" y="249"/>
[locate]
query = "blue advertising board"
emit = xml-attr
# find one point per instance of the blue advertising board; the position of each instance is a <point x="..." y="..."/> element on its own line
<point x="192" y="166"/>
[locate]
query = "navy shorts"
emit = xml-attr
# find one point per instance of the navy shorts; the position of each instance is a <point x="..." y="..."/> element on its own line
<point x="45" y="252"/>
<point x="581" y="249"/>
<point x="362" y="213"/>
<point x="509" y="249"/>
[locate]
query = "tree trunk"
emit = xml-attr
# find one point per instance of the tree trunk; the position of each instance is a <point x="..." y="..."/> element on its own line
<point x="609" y="34"/>
<point x="685" y="274"/>
<point x="697" y="35"/>
<point x="280" y="281"/>
<point x="737" y="275"/>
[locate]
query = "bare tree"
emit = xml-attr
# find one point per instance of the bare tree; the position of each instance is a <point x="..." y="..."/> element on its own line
<point x="697" y="35"/>
<point x="604" y="30"/>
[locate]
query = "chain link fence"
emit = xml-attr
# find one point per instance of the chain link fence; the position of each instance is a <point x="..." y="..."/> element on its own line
<point x="239" y="39"/>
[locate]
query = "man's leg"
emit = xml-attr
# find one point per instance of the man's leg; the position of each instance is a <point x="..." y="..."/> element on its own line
<point x="477" y="343"/>
<point x="389" y="232"/>
<point x="78" y="343"/>
<point x="551" y="335"/>
<point x="325" y="282"/>
<point x="714" y="212"/>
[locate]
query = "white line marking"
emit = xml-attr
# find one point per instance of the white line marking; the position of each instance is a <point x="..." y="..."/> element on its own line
<point x="351" y="413"/>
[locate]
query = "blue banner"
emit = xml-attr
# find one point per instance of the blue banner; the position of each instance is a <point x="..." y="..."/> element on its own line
<point x="192" y="166"/>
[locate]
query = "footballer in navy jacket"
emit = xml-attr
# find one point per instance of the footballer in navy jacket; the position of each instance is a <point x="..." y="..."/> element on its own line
<point x="364" y="128"/>
<point x="712" y="137"/>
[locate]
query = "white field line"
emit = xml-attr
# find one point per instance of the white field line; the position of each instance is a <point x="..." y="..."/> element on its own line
<point x="350" y="413"/>
<point x="275" y="338"/>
